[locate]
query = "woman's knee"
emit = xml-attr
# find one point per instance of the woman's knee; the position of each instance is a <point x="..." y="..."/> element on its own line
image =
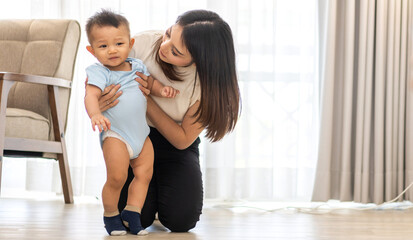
<point x="179" y="222"/>
<point x="180" y="226"/>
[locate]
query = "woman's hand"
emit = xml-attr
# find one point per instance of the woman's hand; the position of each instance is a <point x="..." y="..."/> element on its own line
<point x="143" y="80"/>
<point x="109" y="97"/>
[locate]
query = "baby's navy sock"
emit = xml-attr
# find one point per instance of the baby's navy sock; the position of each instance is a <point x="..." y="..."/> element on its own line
<point x="132" y="219"/>
<point x="113" y="224"/>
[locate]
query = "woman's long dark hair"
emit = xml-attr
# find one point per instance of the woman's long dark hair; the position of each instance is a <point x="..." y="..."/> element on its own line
<point x="208" y="39"/>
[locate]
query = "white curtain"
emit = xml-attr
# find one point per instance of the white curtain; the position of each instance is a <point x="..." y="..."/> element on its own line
<point x="272" y="153"/>
<point x="366" y="115"/>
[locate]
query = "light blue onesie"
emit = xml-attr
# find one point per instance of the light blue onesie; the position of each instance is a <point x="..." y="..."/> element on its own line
<point x="128" y="117"/>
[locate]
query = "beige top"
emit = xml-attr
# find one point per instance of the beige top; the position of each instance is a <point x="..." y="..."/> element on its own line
<point x="174" y="107"/>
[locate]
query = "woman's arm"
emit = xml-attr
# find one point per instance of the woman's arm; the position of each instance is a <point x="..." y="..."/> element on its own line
<point x="180" y="136"/>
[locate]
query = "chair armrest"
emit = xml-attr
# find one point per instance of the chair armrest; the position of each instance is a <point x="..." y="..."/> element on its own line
<point x="17" y="77"/>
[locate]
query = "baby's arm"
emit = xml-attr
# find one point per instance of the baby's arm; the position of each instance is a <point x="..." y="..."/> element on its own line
<point x="159" y="90"/>
<point x="92" y="95"/>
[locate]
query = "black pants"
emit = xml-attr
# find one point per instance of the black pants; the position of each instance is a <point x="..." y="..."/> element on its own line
<point x="175" y="191"/>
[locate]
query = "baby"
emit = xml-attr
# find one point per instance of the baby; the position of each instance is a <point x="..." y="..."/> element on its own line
<point x="124" y="130"/>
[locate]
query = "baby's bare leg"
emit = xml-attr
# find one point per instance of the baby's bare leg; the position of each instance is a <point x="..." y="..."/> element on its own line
<point x="117" y="162"/>
<point x="142" y="167"/>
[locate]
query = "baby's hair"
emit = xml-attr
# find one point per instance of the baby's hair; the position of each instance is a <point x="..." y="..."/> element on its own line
<point x="105" y="18"/>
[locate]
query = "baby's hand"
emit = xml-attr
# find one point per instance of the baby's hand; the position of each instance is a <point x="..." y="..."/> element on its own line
<point x="169" y="92"/>
<point x="100" y="121"/>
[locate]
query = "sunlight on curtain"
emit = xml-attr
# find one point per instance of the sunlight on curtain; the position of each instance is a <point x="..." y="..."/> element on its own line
<point x="271" y="154"/>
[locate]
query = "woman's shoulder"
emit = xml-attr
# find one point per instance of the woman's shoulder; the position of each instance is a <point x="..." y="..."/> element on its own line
<point x="144" y="43"/>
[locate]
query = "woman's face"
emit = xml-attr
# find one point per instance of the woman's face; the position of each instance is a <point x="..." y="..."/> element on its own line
<point x="173" y="50"/>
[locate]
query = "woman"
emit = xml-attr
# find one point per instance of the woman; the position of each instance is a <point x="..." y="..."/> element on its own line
<point x="196" y="56"/>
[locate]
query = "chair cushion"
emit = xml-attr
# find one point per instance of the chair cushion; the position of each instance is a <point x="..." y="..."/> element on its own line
<point x="26" y="124"/>
<point x="44" y="47"/>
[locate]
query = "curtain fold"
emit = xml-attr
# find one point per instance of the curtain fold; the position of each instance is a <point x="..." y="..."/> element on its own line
<point x="364" y="151"/>
<point x="409" y="99"/>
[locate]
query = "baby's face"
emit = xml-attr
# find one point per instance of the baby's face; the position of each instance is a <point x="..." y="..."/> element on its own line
<point x="111" y="46"/>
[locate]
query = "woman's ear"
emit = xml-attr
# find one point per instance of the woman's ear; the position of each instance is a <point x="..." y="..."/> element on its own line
<point x="90" y="49"/>
<point x="192" y="63"/>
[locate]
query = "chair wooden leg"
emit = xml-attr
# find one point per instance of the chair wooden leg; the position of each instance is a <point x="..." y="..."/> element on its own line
<point x="59" y="137"/>
<point x="65" y="176"/>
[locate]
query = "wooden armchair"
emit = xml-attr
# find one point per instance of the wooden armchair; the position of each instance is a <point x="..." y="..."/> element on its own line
<point x="37" y="61"/>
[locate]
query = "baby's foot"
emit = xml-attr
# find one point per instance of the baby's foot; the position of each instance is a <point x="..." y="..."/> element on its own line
<point x="114" y="225"/>
<point x="132" y="220"/>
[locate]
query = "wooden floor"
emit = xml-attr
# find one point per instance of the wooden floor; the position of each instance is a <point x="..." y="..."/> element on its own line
<point x="52" y="219"/>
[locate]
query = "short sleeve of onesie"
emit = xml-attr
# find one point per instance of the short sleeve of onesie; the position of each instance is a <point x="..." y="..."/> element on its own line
<point x="97" y="75"/>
